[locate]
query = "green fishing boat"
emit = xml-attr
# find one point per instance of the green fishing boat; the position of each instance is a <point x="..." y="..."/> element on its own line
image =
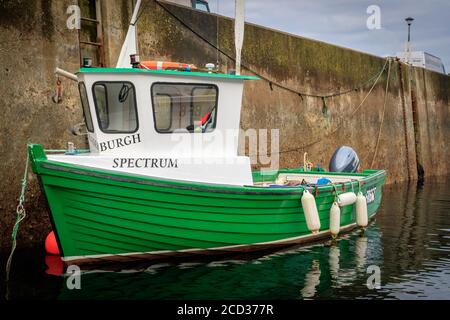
<point x="162" y="177"/>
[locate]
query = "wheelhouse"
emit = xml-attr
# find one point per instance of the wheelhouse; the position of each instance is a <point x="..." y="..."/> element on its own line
<point x="157" y="108"/>
<point x="189" y="116"/>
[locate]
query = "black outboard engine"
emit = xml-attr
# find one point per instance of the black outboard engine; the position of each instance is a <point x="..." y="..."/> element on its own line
<point x="344" y="159"/>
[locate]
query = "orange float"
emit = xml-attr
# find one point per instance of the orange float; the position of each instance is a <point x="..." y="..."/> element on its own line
<point x="167" y="65"/>
<point x="51" y="246"/>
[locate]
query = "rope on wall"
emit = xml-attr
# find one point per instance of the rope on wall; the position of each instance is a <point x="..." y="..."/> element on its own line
<point x="372" y="80"/>
<point x="271" y="82"/>
<point x="342" y="120"/>
<point x="382" y="116"/>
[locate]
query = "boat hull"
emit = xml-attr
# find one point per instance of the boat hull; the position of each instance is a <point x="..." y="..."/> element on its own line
<point x="102" y="215"/>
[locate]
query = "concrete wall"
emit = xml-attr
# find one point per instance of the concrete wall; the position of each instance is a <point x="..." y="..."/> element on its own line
<point x="318" y="68"/>
<point x="35" y="40"/>
<point x="431" y="91"/>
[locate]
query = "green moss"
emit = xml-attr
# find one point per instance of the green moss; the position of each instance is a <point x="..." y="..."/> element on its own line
<point x="19" y="14"/>
<point x="440" y="84"/>
<point x="282" y="56"/>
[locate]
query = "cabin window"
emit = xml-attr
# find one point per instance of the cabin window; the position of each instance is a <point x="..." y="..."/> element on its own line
<point x="163" y="112"/>
<point x="183" y="107"/>
<point x="102" y="107"/>
<point x="115" y="105"/>
<point x="200" y="5"/>
<point x="85" y="105"/>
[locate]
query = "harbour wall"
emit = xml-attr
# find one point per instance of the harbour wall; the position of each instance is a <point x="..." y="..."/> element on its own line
<point x="404" y="131"/>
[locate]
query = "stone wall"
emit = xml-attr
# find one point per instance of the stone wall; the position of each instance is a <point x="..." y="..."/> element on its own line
<point x="35" y="39"/>
<point x="317" y="68"/>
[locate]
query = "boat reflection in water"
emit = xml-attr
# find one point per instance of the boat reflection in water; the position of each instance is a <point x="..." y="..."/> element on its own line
<point x="409" y="242"/>
<point x="294" y="273"/>
<point x="312" y="280"/>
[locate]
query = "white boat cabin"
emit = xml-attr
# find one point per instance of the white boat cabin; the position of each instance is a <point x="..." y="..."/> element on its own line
<point x="167" y="124"/>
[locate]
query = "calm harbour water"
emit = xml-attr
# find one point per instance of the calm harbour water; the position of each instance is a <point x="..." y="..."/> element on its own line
<point x="409" y="242"/>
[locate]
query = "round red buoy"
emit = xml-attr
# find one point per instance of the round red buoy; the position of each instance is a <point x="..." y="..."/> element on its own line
<point x="51" y="246"/>
<point x="55" y="266"/>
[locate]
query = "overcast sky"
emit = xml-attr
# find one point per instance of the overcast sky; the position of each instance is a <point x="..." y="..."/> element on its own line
<point x="344" y="22"/>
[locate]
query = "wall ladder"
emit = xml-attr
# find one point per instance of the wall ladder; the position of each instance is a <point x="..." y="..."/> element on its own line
<point x="90" y="34"/>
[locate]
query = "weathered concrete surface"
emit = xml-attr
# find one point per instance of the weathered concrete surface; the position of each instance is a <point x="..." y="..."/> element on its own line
<point x="35" y="40"/>
<point x="433" y="126"/>
<point x="318" y="68"/>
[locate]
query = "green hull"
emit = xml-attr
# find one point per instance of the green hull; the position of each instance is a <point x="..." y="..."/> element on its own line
<point x="97" y="213"/>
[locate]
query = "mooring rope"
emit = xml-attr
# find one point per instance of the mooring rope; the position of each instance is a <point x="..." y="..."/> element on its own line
<point x="374" y="80"/>
<point x="382" y="116"/>
<point x="342" y="120"/>
<point x="20" y="215"/>
<point x="336" y="195"/>
<point x="270" y="81"/>
<point x="20" y="210"/>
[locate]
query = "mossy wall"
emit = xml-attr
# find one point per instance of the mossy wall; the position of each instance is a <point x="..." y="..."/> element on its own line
<point x="35" y="40"/>
<point x="317" y="68"/>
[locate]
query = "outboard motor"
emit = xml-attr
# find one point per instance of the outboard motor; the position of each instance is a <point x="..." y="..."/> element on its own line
<point x="344" y="159"/>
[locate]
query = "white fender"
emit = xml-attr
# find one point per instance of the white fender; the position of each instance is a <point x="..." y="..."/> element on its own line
<point x="281" y="180"/>
<point x="311" y="213"/>
<point x="335" y="219"/>
<point x="312" y="280"/>
<point x="333" y="261"/>
<point x="360" y="251"/>
<point x="346" y="199"/>
<point x="362" y="218"/>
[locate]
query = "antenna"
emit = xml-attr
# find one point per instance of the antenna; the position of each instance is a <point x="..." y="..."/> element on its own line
<point x="217" y="38"/>
<point x="239" y="24"/>
<point x="129" y="46"/>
